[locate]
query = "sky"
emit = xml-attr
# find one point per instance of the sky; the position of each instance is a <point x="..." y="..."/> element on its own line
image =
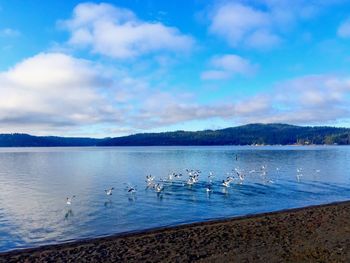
<point x="114" y="68"/>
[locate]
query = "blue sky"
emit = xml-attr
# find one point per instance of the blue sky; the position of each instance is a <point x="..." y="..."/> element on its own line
<point x="118" y="67"/>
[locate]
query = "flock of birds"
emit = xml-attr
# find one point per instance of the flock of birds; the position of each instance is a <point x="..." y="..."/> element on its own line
<point x="235" y="176"/>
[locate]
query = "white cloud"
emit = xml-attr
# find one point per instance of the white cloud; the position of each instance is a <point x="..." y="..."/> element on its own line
<point x="344" y="29"/>
<point x="261" y="24"/>
<point x="118" y="33"/>
<point x="53" y="91"/>
<point x="236" y="23"/>
<point x="226" y="66"/>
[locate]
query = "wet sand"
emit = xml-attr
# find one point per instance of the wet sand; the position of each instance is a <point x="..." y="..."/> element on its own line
<point x="312" y="234"/>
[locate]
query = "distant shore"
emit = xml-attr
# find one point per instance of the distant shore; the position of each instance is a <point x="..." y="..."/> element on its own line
<point x="255" y="134"/>
<point x="311" y="234"/>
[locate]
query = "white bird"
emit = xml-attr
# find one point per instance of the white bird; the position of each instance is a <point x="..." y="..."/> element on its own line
<point x="150" y="181"/>
<point x="131" y="189"/>
<point x="230" y="179"/>
<point x="149" y="178"/>
<point x="193" y="176"/>
<point x="226" y="183"/>
<point x="109" y="191"/>
<point x="191" y="181"/>
<point x="209" y="189"/>
<point x="159" y="188"/>
<point x="69" y="200"/>
<point x="240" y="175"/>
<point x="170" y="177"/>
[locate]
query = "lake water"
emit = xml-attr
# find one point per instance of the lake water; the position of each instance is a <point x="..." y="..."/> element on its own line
<point x="34" y="184"/>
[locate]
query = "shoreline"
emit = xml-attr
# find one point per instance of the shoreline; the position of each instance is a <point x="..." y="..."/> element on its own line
<point x="313" y="233"/>
<point x="172" y="145"/>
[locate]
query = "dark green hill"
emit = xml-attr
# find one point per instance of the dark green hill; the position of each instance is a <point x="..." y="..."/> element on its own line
<point x="241" y="135"/>
<point x="26" y="140"/>
<point x="283" y="134"/>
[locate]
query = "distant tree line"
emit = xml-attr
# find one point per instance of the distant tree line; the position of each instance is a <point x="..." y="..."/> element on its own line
<point x="251" y="134"/>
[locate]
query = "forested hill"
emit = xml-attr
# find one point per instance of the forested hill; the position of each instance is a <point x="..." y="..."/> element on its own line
<point x="250" y="134"/>
<point x="26" y="140"/>
<point x="242" y="135"/>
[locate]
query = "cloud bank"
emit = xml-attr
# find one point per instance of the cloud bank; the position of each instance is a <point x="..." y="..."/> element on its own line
<point x="52" y="92"/>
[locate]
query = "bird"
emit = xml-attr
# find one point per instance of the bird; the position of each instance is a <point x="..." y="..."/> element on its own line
<point x="230" y="179"/>
<point x="149" y="178"/>
<point x="170" y="177"/>
<point x="226" y="183"/>
<point x="159" y="188"/>
<point x="240" y="175"/>
<point x="131" y="189"/>
<point x="109" y="191"/>
<point x="150" y="181"/>
<point x="69" y="200"/>
<point x="193" y="176"/>
<point x="190" y="181"/>
<point x="177" y="175"/>
<point x="209" y="188"/>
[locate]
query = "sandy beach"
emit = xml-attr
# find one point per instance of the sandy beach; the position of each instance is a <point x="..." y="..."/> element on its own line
<point x="312" y="234"/>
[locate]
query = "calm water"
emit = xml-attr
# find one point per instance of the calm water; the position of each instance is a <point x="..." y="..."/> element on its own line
<point x="34" y="183"/>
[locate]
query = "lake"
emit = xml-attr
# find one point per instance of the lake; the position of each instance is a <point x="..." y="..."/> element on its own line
<point x="34" y="184"/>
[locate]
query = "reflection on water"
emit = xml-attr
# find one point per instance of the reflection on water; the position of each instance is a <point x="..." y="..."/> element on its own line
<point x="108" y="204"/>
<point x="68" y="214"/>
<point x="34" y="184"/>
<point x="132" y="197"/>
